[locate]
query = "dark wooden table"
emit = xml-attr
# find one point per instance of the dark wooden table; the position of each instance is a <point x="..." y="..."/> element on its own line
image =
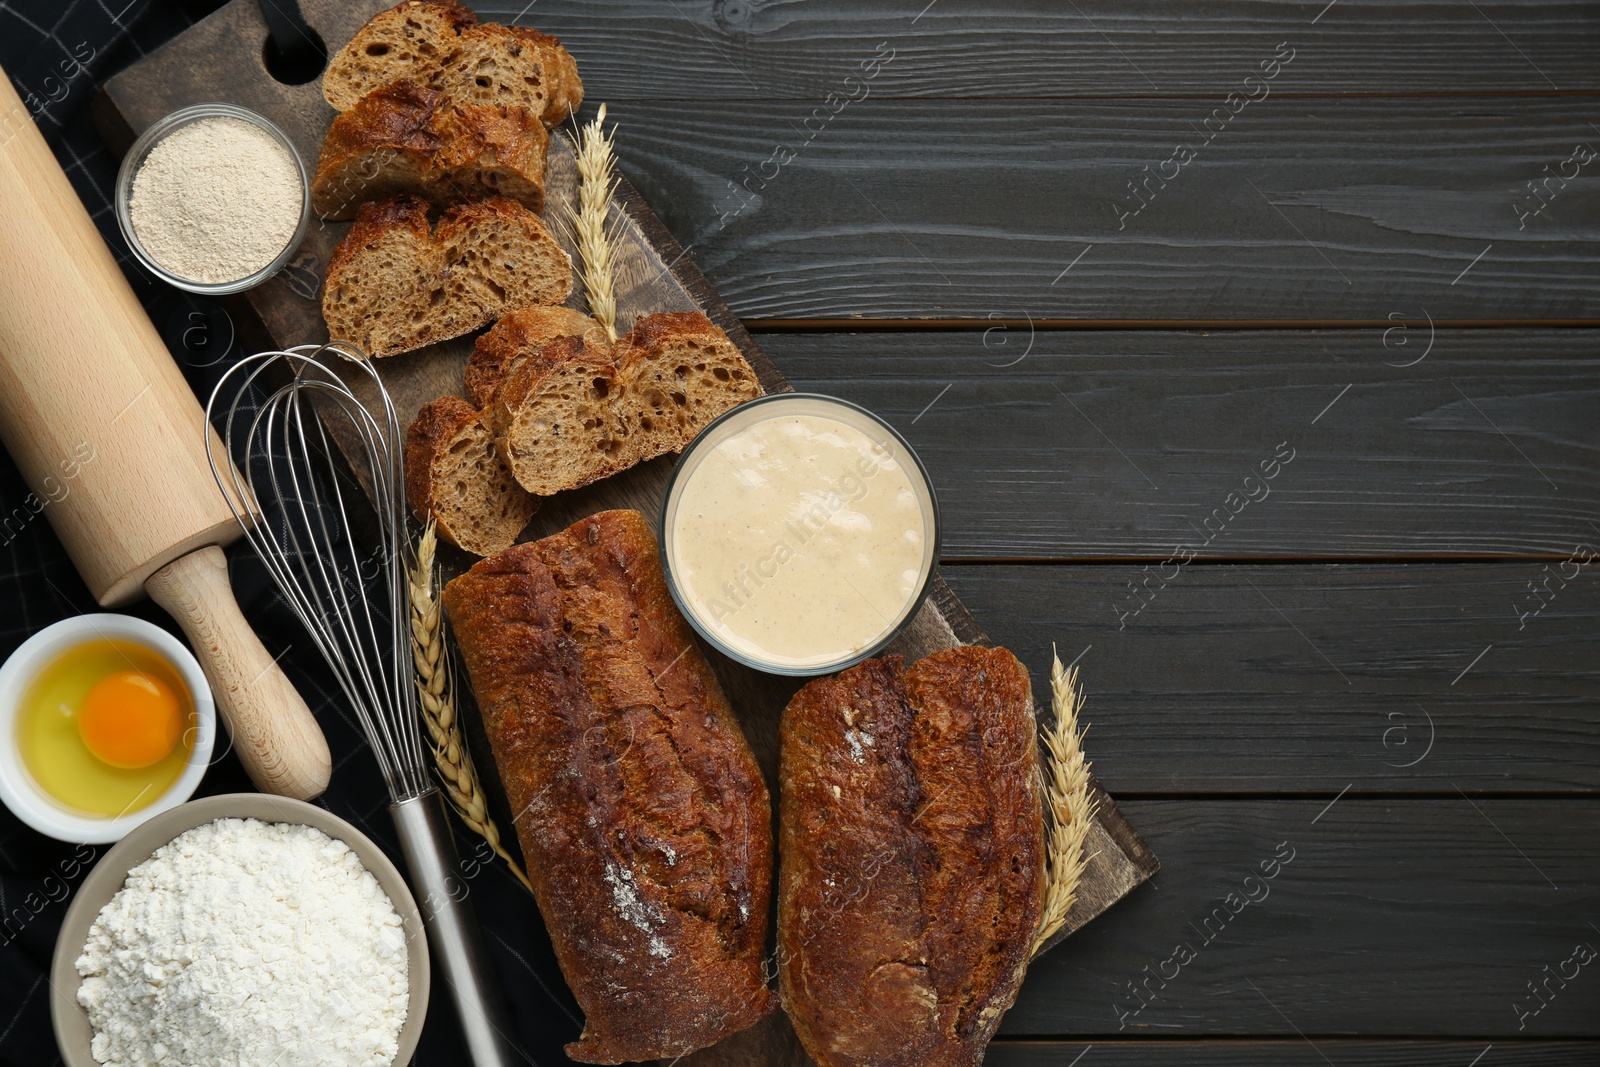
<point x="1252" y="348"/>
<point x="1278" y="413"/>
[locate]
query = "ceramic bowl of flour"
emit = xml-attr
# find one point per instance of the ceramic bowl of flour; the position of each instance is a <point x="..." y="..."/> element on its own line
<point x="287" y="952"/>
<point x="213" y="198"/>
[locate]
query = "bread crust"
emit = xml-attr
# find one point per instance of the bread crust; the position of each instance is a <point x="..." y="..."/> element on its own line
<point x="912" y="857"/>
<point x="456" y="12"/>
<point x="651" y="331"/>
<point x="643" y="818"/>
<point x="408" y="138"/>
<point x="440" y="454"/>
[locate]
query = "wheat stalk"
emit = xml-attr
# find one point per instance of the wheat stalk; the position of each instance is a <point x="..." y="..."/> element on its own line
<point x="1066" y="788"/>
<point x="596" y="241"/>
<point x="436" y="689"/>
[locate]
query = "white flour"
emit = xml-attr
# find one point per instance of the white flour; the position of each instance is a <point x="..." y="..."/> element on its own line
<point x="246" y="944"/>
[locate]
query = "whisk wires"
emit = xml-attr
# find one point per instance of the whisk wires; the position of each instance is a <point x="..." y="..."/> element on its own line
<point x="280" y="457"/>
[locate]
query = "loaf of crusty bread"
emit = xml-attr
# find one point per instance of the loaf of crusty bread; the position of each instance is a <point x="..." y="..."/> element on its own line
<point x="518" y="335"/>
<point x="643" y="818"/>
<point x="575" y="412"/>
<point x="405" y="138"/>
<point x="911" y="857"/>
<point x="455" y="475"/>
<point x="437" y="43"/>
<point x="394" y="285"/>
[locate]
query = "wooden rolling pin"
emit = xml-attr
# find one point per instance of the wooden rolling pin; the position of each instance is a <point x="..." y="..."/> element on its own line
<point x="112" y="441"/>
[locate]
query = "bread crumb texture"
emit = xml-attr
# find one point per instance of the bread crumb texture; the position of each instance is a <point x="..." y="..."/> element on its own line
<point x="570" y="413"/>
<point x="442" y="46"/>
<point x="455" y="474"/>
<point x="394" y="284"/>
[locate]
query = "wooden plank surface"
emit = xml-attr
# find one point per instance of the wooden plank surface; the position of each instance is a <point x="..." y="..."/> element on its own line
<point x="1394" y="149"/>
<point x="1338" y="209"/>
<point x="1118" y="444"/>
<point x="1220" y="685"/>
<point x="736" y="50"/>
<point x="1393" y="918"/>
<point x="222" y="48"/>
<point x="1292" y="1052"/>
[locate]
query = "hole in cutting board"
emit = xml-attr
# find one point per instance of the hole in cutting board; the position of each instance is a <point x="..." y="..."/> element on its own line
<point x="301" y="62"/>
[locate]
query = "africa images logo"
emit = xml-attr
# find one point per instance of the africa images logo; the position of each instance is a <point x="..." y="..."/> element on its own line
<point x="1256" y="88"/>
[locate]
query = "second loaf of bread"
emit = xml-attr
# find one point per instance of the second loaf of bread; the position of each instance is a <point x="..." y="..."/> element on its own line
<point x="912" y="857"/>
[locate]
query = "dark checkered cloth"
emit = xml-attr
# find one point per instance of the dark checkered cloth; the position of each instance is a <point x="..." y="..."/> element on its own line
<point x="56" y="53"/>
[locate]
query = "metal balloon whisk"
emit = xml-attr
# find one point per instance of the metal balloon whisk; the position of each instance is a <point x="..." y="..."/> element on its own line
<point x="280" y="412"/>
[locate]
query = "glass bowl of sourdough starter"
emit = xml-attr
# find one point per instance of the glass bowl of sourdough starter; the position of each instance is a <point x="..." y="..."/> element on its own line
<point x="799" y="534"/>
<point x="213" y="199"/>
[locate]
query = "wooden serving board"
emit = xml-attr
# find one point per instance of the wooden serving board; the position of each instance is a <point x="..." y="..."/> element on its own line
<point x="220" y="59"/>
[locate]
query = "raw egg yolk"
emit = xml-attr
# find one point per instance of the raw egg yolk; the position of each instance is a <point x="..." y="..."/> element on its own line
<point x="130" y="719"/>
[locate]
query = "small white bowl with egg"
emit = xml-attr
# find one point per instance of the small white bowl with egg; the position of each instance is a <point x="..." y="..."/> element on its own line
<point x="21" y="788"/>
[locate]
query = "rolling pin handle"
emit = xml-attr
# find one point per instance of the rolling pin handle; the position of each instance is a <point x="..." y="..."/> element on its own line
<point x="274" y="733"/>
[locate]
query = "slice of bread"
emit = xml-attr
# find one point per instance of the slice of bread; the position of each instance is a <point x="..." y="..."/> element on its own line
<point x="570" y="413"/>
<point x="384" y="291"/>
<point x="554" y="418"/>
<point x="413" y="37"/>
<point x="513" y="65"/>
<point x="680" y="372"/>
<point x="518" y="335"/>
<point x="393" y="285"/>
<point x="499" y="256"/>
<point x="437" y="43"/>
<point x="454" y="474"/>
<point x="405" y="138"/>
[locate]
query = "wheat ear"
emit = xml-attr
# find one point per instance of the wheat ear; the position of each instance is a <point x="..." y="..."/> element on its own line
<point x="436" y="689"/>
<point x="1066" y="789"/>
<point x="595" y="239"/>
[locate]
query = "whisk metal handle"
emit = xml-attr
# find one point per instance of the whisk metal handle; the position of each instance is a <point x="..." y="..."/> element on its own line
<point x="453" y="931"/>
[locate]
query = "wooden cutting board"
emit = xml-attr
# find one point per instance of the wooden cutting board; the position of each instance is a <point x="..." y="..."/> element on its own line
<point x="220" y="59"/>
